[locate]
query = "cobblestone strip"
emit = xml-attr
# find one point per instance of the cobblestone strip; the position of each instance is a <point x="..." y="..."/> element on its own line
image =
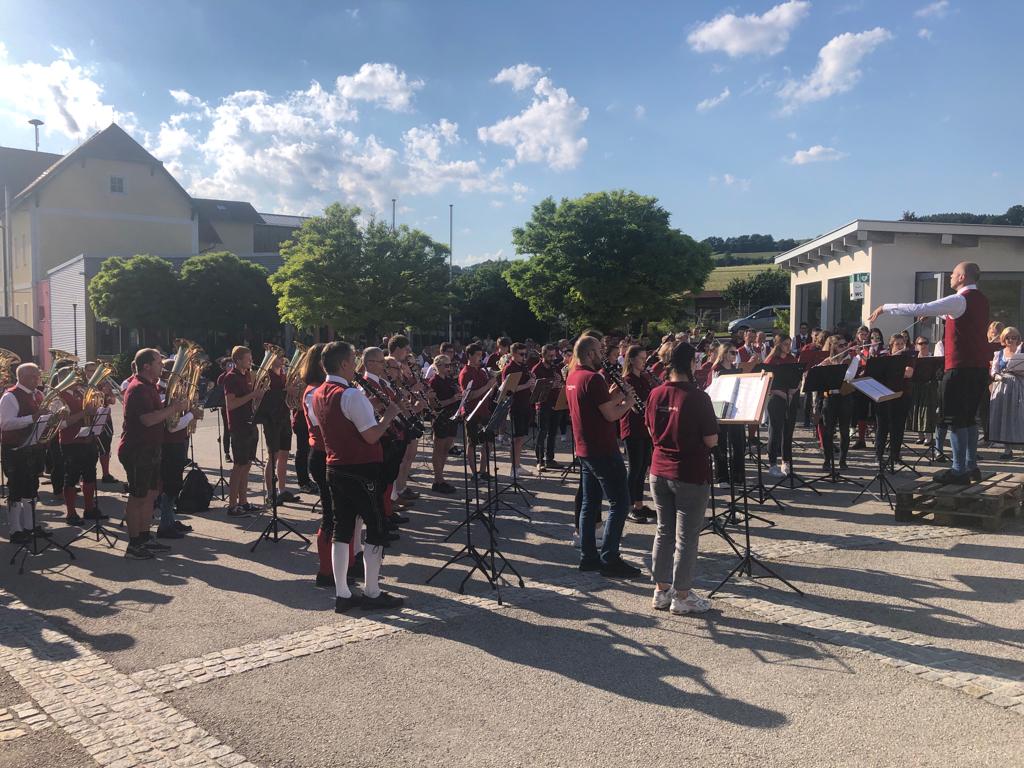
<point x="120" y="724"/>
<point x="245" y="658"/>
<point x="896" y="648"/>
<point x="22" y="719"/>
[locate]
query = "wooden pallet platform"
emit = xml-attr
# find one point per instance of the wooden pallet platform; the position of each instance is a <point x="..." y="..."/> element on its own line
<point x="993" y="502"/>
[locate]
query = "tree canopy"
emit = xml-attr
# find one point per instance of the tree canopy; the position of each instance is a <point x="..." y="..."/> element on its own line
<point x="141" y="292"/>
<point x="483" y="297"/>
<point x="749" y="244"/>
<point x="1014" y="216"/>
<point x="745" y="294"/>
<point x="227" y="295"/>
<point x="360" y="277"/>
<point x="607" y="259"/>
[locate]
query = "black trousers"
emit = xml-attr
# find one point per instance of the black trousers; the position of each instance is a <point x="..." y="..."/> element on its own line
<point x="302" y="449"/>
<point x="837" y="412"/>
<point x="890" y="426"/>
<point x="725" y="470"/>
<point x="638" y="452"/>
<point x="781" y="420"/>
<point x="173" y="458"/>
<point x="547" y="427"/>
<point x="318" y="469"/>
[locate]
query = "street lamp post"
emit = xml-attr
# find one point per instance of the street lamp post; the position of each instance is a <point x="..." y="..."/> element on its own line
<point x="36" y="122"/>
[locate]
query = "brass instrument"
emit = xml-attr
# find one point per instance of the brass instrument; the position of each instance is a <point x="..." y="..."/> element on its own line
<point x="95" y="397"/>
<point x="59" y="357"/>
<point x="54" y="406"/>
<point x="186" y="357"/>
<point x="293" y="392"/>
<point x="8" y="362"/>
<point x="270" y="353"/>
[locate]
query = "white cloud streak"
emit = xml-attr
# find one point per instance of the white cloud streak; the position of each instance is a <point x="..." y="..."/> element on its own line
<point x="767" y="34"/>
<point x="712" y="101"/>
<point x="816" y="154"/>
<point x="936" y="10"/>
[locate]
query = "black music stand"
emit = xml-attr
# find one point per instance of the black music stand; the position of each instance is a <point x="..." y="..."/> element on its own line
<point x="215" y="402"/>
<point x="787" y="376"/>
<point x="39" y="540"/>
<point x="747" y="559"/>
<point x="277" y="528"/>
<point x="820" y="380"/>
<point x="927" y="371"/>
<point x="97" y="529"/>
<point x="489" y="433"/>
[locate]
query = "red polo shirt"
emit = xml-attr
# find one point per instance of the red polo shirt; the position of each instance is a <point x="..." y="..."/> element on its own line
<point x="595" y="436"/>
<point x="141" y="397"/>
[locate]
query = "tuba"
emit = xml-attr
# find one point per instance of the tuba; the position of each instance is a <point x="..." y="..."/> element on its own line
<point x="8" y="362"/>
<point x="53" y="405"/>
<point x="293" y="394"/>
<point x="270" y="353"/>
<point x="178" y="379"/>
<point x="59" y="357"/>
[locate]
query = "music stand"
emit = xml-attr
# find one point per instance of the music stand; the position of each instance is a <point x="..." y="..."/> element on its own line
<point x="488" y="433"/>
<point x="96" y="426"/>
<point x="277" y="528"/>
<point x="926" y="372"/>
<point x="32" y="547"/>
<point x="883" y="370"/>
<point x="214" y="401"/>
<point x="822" y="379"/>
<point x="787" y="376"/>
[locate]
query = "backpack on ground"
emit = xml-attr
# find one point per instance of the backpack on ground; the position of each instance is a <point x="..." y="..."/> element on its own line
<point x="196" y="492"/>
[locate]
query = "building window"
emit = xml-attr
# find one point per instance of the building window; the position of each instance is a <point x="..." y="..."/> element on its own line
<point x="117" y="185"/>
<point x="847" y="313"/>
<point x="808" y="304"/>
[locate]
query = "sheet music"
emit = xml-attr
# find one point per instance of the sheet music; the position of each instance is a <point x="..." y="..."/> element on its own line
<point x="724" y="390"/>
<point x="874" y="389"/>
<point x="462" y="403"/>
<point x="852" y="368"/>
<point x="99" y="422"/>
<point x="748" y="398"/>
<point x="743" y="393"/>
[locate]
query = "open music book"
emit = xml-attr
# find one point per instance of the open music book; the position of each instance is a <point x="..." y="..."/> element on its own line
<point x="876" y="390"/>
<point x="739" y="398"/>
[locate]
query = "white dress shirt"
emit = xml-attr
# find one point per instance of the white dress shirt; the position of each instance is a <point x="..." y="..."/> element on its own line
<point x="307" y="402"/>
<point x="952" y="306"/>
<point x="355" y="405"/>
<point x="9" y="418"/>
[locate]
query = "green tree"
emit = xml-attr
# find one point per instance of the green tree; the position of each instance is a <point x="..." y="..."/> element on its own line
<point x="483" y="297"/>
<point x="745" y="294"/>
<point x="141" y="293"/>
<point x="607" y="259"/>
<point x="360" y="279"/>
<point x="225" y="296"/>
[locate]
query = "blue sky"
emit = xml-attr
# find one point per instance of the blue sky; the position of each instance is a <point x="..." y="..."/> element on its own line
<point x="790" y="118"/>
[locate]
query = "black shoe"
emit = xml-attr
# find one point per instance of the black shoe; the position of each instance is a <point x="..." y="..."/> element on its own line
<point x="619" y="568"/>
<point x="860" y="445"/>
<point x="484" y="475"/>
<point x="649" y="513"/>
<point x="287" y="497"/>
<point x="443" y="487"/>
<point x="975" y="475"/>
<point x="325" y="580"/>
<point x="949" y="477"/>
<point x="826" y="465"/>
<point x="182" y="527"/>
<point x="346" y="604"/>
<point x="383" y="601"/>
<point x="636" y="516"/>
<point x="399" y="519"/>
<point x="108" y="479"/>
<point x="20" y="537"/>
<point x="169" y="533"/>
<point x="552" y="464"/>
<point x="73" y="519"/>
<point x="843" y="464"/>
<point x="137" y="552"/>
<point x="409" y="494"/>
<point x="392" y="536"/>
<point x="95" y="514"/>
<point x="153" y="545"/>
<point x="590" y="565"/>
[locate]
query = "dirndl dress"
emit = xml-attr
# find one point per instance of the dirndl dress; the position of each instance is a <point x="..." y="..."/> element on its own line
<point x="1006" y="410"/>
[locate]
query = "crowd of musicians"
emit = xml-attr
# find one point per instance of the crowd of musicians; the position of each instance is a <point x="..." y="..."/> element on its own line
<point x="358" y="416"/>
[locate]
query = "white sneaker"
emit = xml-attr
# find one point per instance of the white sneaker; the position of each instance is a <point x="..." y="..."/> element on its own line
<point x="692" y="603"/>
<point x="787" y="469"/>
<point x="662" y="599"/>
<point x="775" y="471"/>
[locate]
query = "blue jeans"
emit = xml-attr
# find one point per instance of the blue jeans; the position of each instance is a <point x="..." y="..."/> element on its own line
<point x="603" y="476"/>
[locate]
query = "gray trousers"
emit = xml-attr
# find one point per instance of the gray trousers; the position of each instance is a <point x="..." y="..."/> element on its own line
<point x="681" y="508"/>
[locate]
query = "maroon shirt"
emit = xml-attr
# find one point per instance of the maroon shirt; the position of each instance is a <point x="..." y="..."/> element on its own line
<point x="633" y="423"/>
<point x="520" y="400"/>
<point x="479" y="378"/>
<point x="680" y="416"/>
<point x="445" y="388"/>
<point x="595" y="436"/>
<point x="238" y="384"/>
<point x="141" y="397"/>
<point x="73" y="400"/>
<point x="544" y="371"/>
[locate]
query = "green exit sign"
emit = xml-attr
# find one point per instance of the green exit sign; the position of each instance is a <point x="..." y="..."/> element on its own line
<point x="862" y="277"/>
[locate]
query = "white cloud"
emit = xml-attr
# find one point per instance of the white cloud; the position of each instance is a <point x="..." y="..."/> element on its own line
<point x="497" y="203"/>
<point x="519" y="191"/>
<point x="731" y="181"/>
<point x="546" y="131"/>
<point x="752" y="34"/>
<point x="382" y="84"/>
<point x="924" y="33"/>
<point x="185" y="98"/>
<point x="639" y="111"/>
<point x="936" y="10"/>
<point x="712" y="101"/>
<point x="837" y="70"/>
<point x="815" y="154"/>
<point x="63" y="94"/>
<point x="479" y="258"/>
<point x="791" y="135"/>
<point x="520" y="77"/>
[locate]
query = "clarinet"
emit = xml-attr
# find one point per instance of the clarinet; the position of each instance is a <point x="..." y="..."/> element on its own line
<point x="378" y="392"/>
<point x="613" y="373"/>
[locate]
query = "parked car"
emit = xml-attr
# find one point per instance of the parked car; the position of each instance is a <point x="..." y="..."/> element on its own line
<point x="764" y="319"/>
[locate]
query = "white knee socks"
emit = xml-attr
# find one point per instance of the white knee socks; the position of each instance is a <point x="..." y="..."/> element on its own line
<point x="339" y="564"/>
<point x="372" y="556"/>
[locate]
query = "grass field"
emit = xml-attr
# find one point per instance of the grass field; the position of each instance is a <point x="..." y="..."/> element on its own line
<point x="720" y="276"/>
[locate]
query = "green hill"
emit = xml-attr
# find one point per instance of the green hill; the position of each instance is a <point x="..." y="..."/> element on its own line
<point x="720" y="276"/>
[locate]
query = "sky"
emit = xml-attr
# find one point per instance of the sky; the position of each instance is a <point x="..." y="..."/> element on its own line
<point x="788" y="118"/>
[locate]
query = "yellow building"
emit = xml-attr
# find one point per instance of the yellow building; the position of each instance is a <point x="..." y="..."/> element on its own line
<point x="108" y="197"/>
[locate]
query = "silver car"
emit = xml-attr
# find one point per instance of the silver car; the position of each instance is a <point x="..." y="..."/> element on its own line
<point x="764" y="319"/>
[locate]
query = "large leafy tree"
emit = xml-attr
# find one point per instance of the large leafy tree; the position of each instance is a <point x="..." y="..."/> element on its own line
<point x="484" y="298"/>
<point x="749" y="293"/>
<point x="606" y="259"/>
<point x="142" y="292"/>
<point x="360" y="278"/>
<point x="225" y="296"/>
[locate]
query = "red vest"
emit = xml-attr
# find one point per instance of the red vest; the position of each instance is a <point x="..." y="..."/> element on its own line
<point x="966" y="337"/>
<point x="28" y="405"/>
<point x="316" y="437"/>
<point x="345" y="446"/>
<point x="73" y="400"/>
